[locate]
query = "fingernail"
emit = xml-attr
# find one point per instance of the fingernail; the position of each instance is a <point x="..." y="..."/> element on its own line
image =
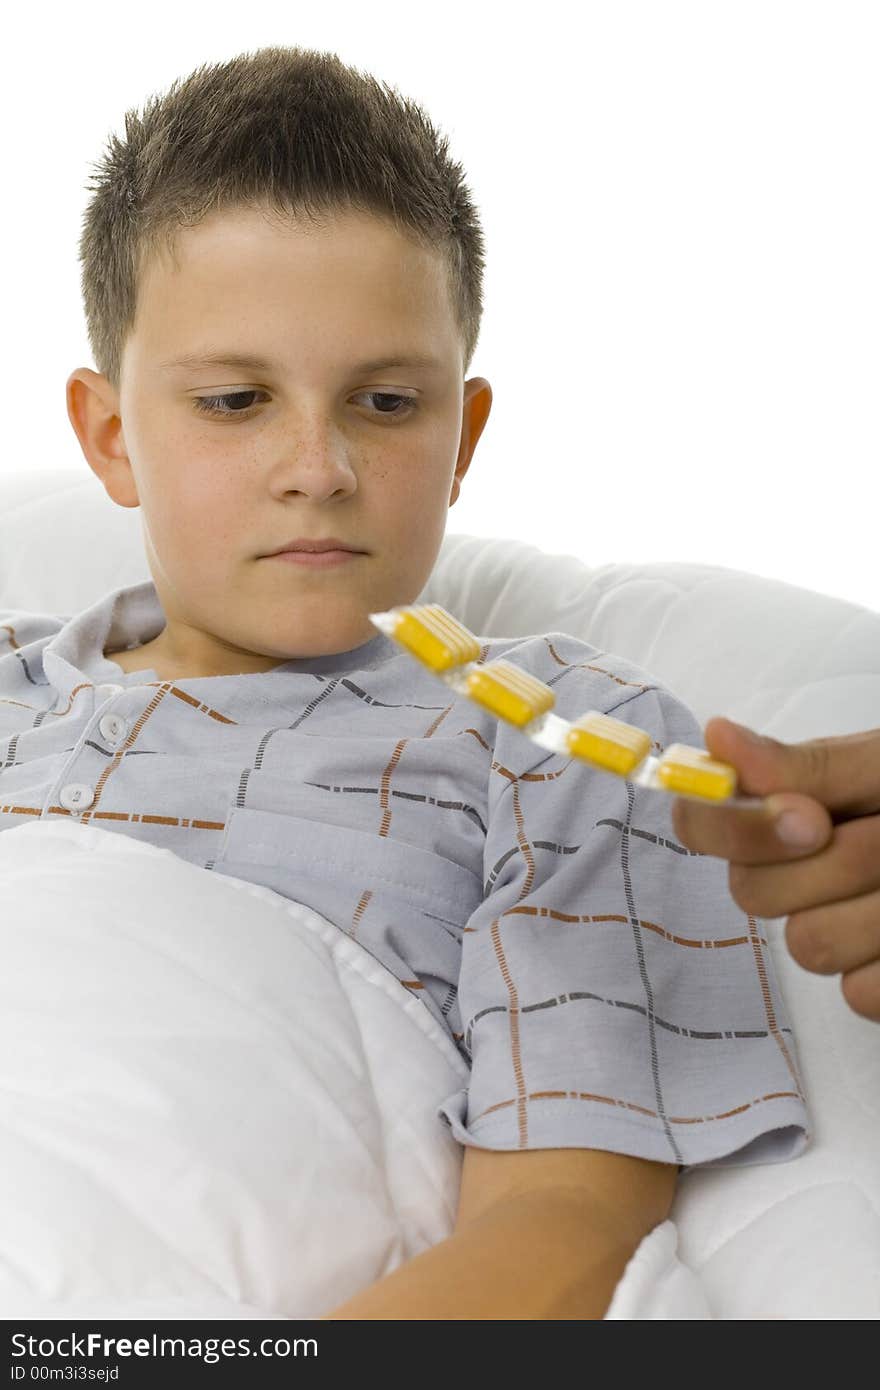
<point x="796" y="829"/>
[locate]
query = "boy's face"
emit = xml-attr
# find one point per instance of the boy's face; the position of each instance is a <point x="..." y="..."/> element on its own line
<point x="314" y="446"/>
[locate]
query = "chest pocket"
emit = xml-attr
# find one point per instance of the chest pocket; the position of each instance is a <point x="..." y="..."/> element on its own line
<point x="333" y="862"/>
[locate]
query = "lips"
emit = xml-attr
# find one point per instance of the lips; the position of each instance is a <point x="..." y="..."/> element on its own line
<point x="316" y="547"/>
<point x="315" y="559"/>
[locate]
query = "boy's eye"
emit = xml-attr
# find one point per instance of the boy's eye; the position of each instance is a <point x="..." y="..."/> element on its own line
<point x="213" y="405"/>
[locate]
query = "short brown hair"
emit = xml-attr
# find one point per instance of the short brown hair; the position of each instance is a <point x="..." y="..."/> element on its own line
<point x="290" y="130"/>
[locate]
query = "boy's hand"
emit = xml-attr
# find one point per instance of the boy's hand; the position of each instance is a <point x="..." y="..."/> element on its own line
<point x="828" y="888"/>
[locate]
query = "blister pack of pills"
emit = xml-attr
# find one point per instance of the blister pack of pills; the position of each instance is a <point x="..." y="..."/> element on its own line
<point x="443" y="645"/>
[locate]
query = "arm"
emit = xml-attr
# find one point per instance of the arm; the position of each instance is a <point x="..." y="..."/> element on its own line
<point x="540" y="1233"/>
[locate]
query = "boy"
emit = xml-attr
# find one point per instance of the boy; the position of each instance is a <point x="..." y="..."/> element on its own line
<point x="282" y="282"/>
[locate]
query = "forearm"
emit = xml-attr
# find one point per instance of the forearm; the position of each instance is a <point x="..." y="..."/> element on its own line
<point x="530" y="1257"/>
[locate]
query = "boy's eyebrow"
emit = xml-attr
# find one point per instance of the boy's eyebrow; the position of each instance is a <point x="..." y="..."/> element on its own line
<point x="247" y="362"/>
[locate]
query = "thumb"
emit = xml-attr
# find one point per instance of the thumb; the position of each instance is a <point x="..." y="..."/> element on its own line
<point x="841" y="772"/>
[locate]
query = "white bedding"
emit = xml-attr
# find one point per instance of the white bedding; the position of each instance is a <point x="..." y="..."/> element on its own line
<point x="215" y="1105"/>
<point x="167" y="1172"/>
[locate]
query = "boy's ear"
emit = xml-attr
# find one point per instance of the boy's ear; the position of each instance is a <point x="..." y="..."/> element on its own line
<point x="475" y="409"/>
<point x="93" y="411"/>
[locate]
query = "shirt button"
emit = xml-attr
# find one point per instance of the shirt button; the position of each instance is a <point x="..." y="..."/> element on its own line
<point x="113" y="728"/>
<point x="77" y="796"/>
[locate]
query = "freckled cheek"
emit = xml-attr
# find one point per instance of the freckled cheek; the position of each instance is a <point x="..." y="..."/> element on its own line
<point x="408" y="496"/>
<point x="418" y="474"/>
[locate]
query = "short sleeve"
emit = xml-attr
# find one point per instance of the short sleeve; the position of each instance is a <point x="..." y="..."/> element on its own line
<point x="613" y="995"/>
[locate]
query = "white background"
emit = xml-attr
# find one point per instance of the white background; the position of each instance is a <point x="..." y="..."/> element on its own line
<point x="680" y="201"/>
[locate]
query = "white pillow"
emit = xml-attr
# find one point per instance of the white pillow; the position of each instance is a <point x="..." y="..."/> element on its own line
<point x="788" y="661"/>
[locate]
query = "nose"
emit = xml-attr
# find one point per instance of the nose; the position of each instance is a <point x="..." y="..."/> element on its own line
<point x="319" y="469"/>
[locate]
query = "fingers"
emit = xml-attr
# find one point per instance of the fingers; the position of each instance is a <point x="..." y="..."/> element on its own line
<point x="829" y="890"/>
<point x="748" y="837"/>
<point x="837" y="939"/>
<point x="841" y="772"/>
<point x="847" y="867"/>
<point x="861" y="990"/>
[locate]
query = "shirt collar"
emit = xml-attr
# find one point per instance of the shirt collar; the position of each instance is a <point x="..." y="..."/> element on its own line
<point x="133" y="615"/>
